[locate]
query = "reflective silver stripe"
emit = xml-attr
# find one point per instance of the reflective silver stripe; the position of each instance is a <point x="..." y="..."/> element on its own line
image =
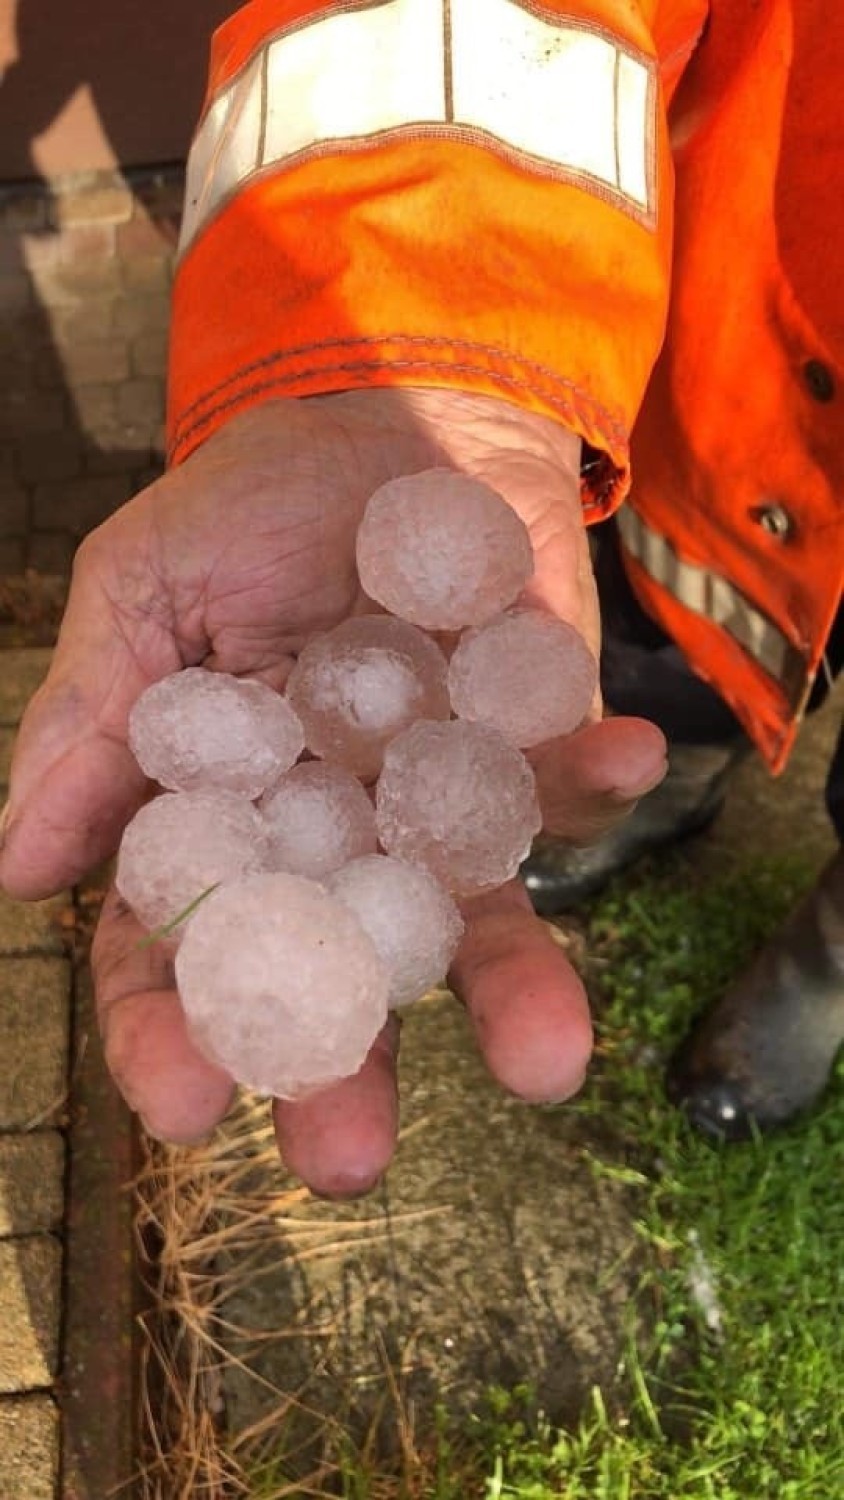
<point x="708" y="594"/>
<point x="565" y="99"/>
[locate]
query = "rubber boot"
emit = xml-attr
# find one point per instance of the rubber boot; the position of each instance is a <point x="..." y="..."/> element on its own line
<point x="558" y="876"/>
<point x="764" y="1052"/>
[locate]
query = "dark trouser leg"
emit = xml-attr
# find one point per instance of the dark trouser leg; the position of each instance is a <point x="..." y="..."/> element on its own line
<point x="764" y="1052"/>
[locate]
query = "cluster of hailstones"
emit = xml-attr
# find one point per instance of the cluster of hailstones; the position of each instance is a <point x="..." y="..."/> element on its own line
<point x="307" y="896"/>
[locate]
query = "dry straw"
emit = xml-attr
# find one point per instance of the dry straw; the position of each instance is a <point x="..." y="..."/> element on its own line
<point x="206" y="1216"/>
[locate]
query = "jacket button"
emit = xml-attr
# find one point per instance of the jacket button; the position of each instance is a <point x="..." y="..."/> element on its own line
<point x="775" y="520"/>
<point x="819" y="381"/>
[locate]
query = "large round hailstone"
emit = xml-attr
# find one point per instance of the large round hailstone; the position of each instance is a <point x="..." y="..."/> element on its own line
<point x="442" y="550"/>
<point x="528" y="674"/>
<point x="280" y="985"/>
<point x="458" y="799"/>
<point x="358" y="686"/>
<point x="182" y="843"/>
<point x="196" y="730"/>
<point x="410" y="918"/>
<point x="317" y="818"/>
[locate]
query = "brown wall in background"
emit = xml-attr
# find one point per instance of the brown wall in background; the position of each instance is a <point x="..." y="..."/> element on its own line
<point x="93" y="84"/>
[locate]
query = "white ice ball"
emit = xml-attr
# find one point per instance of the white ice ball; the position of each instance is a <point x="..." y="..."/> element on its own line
<point x="280" y="985"/>
<point x="197" y="730"/>
<point x="180" y="844"/>
<point x="410" y="917"/>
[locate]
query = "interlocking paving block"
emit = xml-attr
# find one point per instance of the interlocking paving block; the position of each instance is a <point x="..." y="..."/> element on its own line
<point x="6" y="743"/>
<point x="31" y="1183"/>
<point x="13" y="503"/>
<point x="21" y="672"/>
<point x="30" y="1305"/>
<point x="32" y="926"/>
<point x="103" y="202"/>
<point x="29" y="1448"/>
<point x="78" y="505"/>
<point x="34" y="1028"/>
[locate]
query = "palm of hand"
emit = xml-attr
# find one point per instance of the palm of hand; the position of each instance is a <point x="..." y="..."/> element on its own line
<point x="233" y="561"/>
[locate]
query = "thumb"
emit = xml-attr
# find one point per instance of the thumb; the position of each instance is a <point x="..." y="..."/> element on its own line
<point x="74" y="783"/>
<point x="544" y="490"/>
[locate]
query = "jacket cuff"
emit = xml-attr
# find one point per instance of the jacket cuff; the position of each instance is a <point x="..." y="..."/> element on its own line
<point x="427" y="194"/>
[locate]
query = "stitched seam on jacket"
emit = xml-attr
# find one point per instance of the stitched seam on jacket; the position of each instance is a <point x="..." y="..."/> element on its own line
<point x="238" y="397"/>
<point x="183" y="427"/>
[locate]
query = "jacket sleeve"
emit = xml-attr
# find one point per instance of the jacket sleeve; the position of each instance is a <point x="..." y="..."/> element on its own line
<point x="473" y="194"/>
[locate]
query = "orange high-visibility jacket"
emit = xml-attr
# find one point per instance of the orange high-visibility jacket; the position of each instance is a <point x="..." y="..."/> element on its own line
<point x="530" y="201"/>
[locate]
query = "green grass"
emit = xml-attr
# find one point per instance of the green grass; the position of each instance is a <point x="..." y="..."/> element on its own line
<point x="750" y="1409"/>
<point x="755" y="1408"/>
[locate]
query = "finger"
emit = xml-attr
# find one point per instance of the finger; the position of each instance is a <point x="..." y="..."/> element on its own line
<point x="340" y="1141"/>
<point x="528" y="1007"/>
<point x="543" y="487"/>
<point x="592" y="779"/>
<point x="179" y="1095"/>
<point x="74" y="783"/>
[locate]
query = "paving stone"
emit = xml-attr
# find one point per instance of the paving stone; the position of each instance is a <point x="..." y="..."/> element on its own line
<point x="95" y="407"/>
<point x="141" y="276"/>
<point x="10" y="253"/>
<point x="79" y="505"/>
<point x="141" y="401"/>
<point x="144" y="238"/>
<point x="127" y="448"/>
<point x="12" y="554"/>
<point x="7" y="740"/>
<point x="20" y="371"/>
<point x="147" y="477"/>
<point x="91" y="320"/>
<point x="30" y="1305"/>
<point x="29" y="1448"/>
<point x="86" y="244"/>
<point x="58" y="458"/>
<point x="20" y="415"/>
<point x="107" y="202"/>
<point x="13" y="508"/>
<point x="100" y="362"/>
<point x="21" y="209"/>
<point x="50" y="551"/>
<point x="48" y="369"/>
<point x="162" y="196"/>
<point x="138" y="315"/>
<point x="21" y="672"/>
<point x="69" y="283"/>
<point x="32" y="926"/>
<point x="15" y="292"/>
<point x="31" y="1183"/>
<point x="34" y="1034"/>
<point x="149" y="353"/>
<point x="40" y="251"/>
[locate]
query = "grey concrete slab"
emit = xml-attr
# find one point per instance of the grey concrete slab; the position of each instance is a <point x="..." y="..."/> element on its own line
<point x="493" y="1254"/>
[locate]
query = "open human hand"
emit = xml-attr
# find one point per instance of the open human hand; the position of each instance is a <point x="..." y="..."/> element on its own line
<point x="233" y="561"/>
